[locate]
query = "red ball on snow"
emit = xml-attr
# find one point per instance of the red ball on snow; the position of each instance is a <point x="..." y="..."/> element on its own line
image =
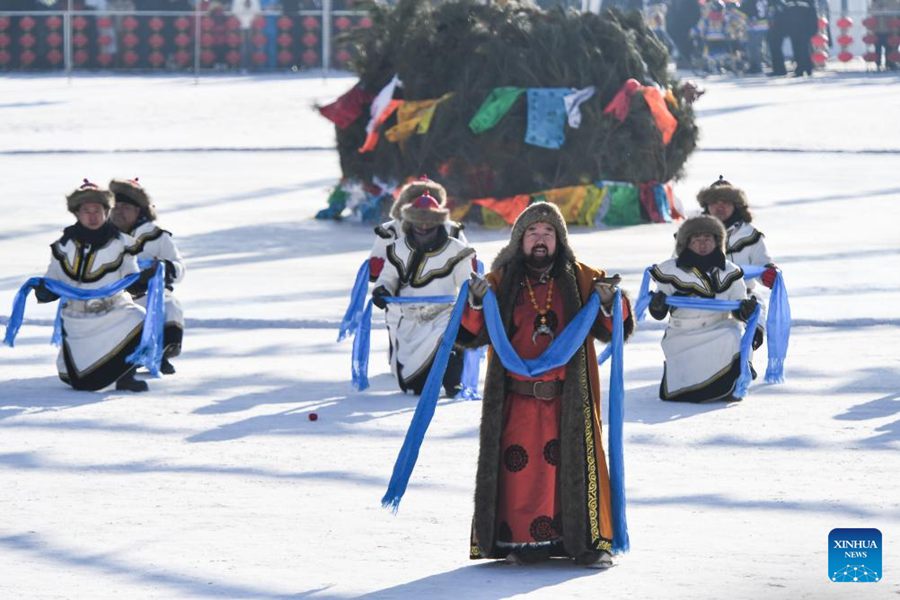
<point x="313" y="417"/>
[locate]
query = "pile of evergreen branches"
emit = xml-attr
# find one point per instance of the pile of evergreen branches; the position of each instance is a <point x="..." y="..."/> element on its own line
<point x="469" y="48"/>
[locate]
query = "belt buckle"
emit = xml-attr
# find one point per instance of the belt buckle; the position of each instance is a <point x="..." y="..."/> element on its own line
<point x="550" y="386"/>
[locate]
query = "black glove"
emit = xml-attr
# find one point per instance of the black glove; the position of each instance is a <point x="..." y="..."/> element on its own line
<point x="758" y="338"/>
<point x="746" y="309"/>
<point x="658" y="307"/>
<point x="139" y="287"/>
<point x="170" y="272"/>
<point x="44" y="295"/>
<point x="378" y="297"/>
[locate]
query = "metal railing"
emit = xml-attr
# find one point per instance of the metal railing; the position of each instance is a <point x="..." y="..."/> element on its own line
<point x="198" y="41"/>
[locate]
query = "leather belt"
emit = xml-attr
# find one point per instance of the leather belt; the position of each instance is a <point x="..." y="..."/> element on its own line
<point x="542" y="390"/>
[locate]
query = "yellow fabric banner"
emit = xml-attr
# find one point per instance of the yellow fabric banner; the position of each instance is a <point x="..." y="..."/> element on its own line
<point x="414" y="117"/>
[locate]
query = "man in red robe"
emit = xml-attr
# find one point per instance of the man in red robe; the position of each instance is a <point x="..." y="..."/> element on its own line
<point x="542" y="487"/>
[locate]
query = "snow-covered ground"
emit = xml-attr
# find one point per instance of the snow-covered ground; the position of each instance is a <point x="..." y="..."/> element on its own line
<point x="216" y="483"/>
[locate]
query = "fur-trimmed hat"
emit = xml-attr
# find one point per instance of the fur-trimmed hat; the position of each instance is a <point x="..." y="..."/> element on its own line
<point x="412" y="191"/>
<point x="132" y="192"/>
<point x="89" y="192"/>
<point x="722" y="191"/>
<point x="425" y="211"/>
<point x="539" y="212"/>
<point x="697" y="225"/>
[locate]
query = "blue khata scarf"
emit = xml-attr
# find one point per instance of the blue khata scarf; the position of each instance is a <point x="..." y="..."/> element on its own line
<point x="353" y="314"/>
<point x="148" y="353"/>
<point x="557" y="354"/>
<point x="778" y="321"/>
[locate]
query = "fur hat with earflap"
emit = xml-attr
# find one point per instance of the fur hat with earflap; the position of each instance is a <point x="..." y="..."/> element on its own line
<point x="424" y="211"/>
<point x="722" y="191"/>
<point x="698" y="225"/>
<point x="411" y="191"/>
<point x="539" y="212"/>
<point x="89" y="192"/>
<point x="132" y="192"/>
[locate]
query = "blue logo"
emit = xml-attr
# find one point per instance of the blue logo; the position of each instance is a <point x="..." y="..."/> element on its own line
<point x="854" y="555"/>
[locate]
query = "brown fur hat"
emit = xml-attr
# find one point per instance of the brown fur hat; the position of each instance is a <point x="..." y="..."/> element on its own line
<point x="415" y="189"/>
<point x="89" y="192"/>
<point x="424" y="211"/>
<point x="132" y="192"/>
<point x="539" y="212"/>
<point x="722" y="191"/>
<point x="696" y="225"/>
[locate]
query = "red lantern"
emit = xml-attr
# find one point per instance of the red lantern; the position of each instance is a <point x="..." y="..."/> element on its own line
<point x="819" y="41"/>
<point x="284" y="40"/>
<point x="130" y="58"/>
<point x="870" y="38"/>
<point x="27" y="57"/>
<point x="845" y="40"/>
<point x="895" y="23"/>
<point x="105" y="39"/>
<point x="207" y="57"/>
<point x="233" y="39"/>
<point x="79" y="22"/>
<point x="364" y="23"/>
<point x="4" y="23"/>
<point x="156" y="24"/>
<point x="207" y="40"/>
<point x="284" y="23"/>
<point x="54" y="57"/>
<point x="129" y="23"/>
<point x="285" y="58"/>
<point x="819" y="57"/>
<point x="870" y="57"/>
<point x="342" y="23"/>
<point x="870" y="22"/>
<point x="342" y="56"/>
<point x="845" y="23"/>
<point x="104" y="59"/>
<point x="207" y="24"/>
<point x="894" y="56"/>
<point x="4" y="40"/>
<point x="182" y="40"/>
<point x="80" y="40"/>
<point x="54" y="39"/>
<point x="80" y="56"/>
<point x="53" y="22"/>
<point x="823" y="23"/>
<point x="311" y="23"/>
<point x="104" y="23"/>
<point x="232" y="24"/>
<point x="27" y="40"/>
<point x="156" y="41"/>
<point x="259" y="23"/>
<point x="259" y="40"/>
<point x="182" y="57"/>
<point x="182" y="23"/>
<point x="130" y="40"/>
<point x="310" y="40"/>
<point x="310" y="58"/>
<point x="4" y="57"/>
<point x="845" y="56"/>
<point x="259" y="58"/>
<point x="156" y="59"/>
<point x="233" y="58"/>
<point x="26" y="24"/>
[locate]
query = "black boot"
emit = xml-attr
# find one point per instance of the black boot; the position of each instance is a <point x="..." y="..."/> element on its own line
<point x="166" y="368"/>
<point x="127" y="383"/>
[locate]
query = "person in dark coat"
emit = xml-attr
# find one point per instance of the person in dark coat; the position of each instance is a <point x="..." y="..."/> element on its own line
<point x="797" y="20"/>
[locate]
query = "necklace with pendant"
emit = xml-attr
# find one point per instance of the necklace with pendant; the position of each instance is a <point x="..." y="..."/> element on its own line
<point x="546" y="320"/>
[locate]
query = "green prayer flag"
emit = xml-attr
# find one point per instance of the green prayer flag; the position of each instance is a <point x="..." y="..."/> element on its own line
<point x="494" y="107"/>
<point x="624" y="206"/>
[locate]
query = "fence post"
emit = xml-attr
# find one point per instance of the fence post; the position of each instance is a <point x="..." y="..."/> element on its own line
<point x="196" y="40"/>
<point x="326" y="35"/>
<point x="67" y="38"/>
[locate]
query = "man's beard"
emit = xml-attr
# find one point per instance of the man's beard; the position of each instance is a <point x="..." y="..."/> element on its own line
<point x="539" y="262"/>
